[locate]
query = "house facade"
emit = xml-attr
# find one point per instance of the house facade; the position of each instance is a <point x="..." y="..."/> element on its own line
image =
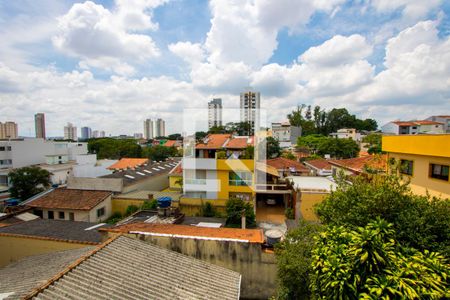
<point x="413" y="127"/>
<point x="286" y="134"/>
<point x="424" y="160"/>
<point x="442" y="119"/>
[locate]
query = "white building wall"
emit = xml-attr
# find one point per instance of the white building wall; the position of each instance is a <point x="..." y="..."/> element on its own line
<point x="390" y="128"/>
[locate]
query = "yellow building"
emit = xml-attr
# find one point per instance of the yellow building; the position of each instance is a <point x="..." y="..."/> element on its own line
<point x="424" y="159"/>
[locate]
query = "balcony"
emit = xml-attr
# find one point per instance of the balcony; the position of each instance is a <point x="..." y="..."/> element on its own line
<point x="201" y="185"/>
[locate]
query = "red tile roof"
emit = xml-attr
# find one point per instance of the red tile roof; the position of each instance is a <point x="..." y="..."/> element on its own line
<point x="126" y="163"/>
<point x="414" y="123"/>
<point x="177" y="170"/>
<point x="250" y="235"/>
<point x="63" y="198"/>
<point x="240" y="142"/>
<point x="320" y="164"/>
<point x="445" y="117"/>
<point x="213" y="141"/>
<point x="172" y="143"/>
<point x="357" y="165"/>
<point x="281" y="163"/>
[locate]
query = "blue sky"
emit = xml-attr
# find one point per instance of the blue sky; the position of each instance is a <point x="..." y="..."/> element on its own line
<point x="111" y="64"/>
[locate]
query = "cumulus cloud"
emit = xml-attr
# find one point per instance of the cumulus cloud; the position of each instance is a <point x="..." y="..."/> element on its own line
<point x="103" y="39"/>
<point x="411" y="9"/>
<point x="192" y="53"/>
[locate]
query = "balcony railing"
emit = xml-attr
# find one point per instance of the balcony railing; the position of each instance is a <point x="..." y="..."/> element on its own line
<point x="271" y="187"/>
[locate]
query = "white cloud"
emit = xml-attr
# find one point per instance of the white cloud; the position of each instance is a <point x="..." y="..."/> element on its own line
<point x="411" y="9"/>
<point x="192" y="53"/>
<point x="102" y="39"/>
<point x="337" y="51"/>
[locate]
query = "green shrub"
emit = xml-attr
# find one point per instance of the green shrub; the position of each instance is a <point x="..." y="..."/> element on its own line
<point x="115" y="217"/>
<point x="131" y="209"/>
<point x="289" y="213"/>
<point x="208" y="210"/>
<point x="234" y="208"/>
<point x="150" y="205"/>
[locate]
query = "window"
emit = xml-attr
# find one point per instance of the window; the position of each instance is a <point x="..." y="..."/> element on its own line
<point x="240" y="178"/>
<point x="8" y="148"/>
<point x="61" y="215"/>
<point x="50" y="214"/>
<point x="439" y="171"/>
<point x="2" y="148"/>
<point x="100" y="212"/>
<point x="406" y="167"/>
<point x="71" y="216"/>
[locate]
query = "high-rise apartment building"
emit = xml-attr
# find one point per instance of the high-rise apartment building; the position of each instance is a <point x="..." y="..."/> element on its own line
<point x="8" y="130"/>
<point x="98" y="134"/>
<point x="250" y="105"/>
<point x="70" y="132"/>
<point x="159" y="128"/>
<point x="148" y="129"/>
<point x="86" y="133"/>
<point x="215" y="113"/>
<point x="39" y="125"/>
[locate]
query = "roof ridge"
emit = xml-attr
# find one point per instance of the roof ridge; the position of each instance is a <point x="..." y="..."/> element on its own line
<point x="69" y="268"/>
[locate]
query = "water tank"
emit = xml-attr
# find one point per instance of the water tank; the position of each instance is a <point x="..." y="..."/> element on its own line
<point x="273" y="236"/>
<point x="164" y="202"/>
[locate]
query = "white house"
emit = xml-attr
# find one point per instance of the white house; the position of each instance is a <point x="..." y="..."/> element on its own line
<point x="413" y="127"/>
<point x="286" y="134"/>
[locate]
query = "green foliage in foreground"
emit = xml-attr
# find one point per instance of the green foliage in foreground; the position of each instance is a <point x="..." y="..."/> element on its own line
<point x="28" y="181"/>
<point x="294" y="261"/>
<point x="114" y="148"/>
<point x="367" y="263"/>
<point x="234" y="209"/>
<point x="419" y="222"/>
<point x="159" y="153"/>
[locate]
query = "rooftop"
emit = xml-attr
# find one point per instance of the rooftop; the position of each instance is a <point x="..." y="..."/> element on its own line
<point x="177" y="170"/>
<point x="143" y="195"/>
<point x="281" y="163"/>
<point x="358" y="164"/>
<point x="172" y="143"/>
<point x="416" y="122"/>
<point x="313" y="183"/>
<point x="213" y="141"/>
<point x="145" y="171"/>
<point x="63" y="198"/>
<point x="20" y="278"/>
<point x="126" y="268"/>
<point x="320" y="164"/>
<point x="239" y="142"/>
<point x="55" y="229"/>
<point x="126" y="163"/>
<point x="244" y="235"/>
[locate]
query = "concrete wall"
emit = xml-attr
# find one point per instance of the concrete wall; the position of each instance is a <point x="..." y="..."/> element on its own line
<point x="96" y="184"/>
<point x="120" y="205"/>
<point x="192" y="206"/>
<point x="307" y="202"/>
<point x="257" y="267"/>
<point x="153" y="183"/>
<point x="14" y="248"/>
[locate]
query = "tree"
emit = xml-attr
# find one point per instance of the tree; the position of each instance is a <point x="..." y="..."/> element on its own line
<point x="28" y="181"/>
<point x="420" y="222"/>
<point x="288" y="155"/>
<point x="367" y="263"/>
<point x="208" y="210"/>
<point x="374" y="141"/>
<point x="311" y="142"/>
<point x="320" y="117"/>
<point x="175" y="136"/>
<point x="294" y="261"/>
<point x="338" y="148"/>
<point x="235" y="207"/>
<point x="295" y="117"/>
<point x="114" y="148"/>
<point x="160" y="153"/>
<point x="272" y="147"/>
<point x="218" y="129"/>
<point x="200" y="135"/>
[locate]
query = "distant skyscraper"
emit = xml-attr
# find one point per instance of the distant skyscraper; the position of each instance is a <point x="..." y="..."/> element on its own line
<point x="215" y="113"/>
<point x="148" y="129"/>
<point x="138" y="135"/>
<point x="39" y="125"/>
<point x="102" y="133"/>
<point x="250" y="104"/>
<point x="70" y="132"/>
<point x="159" y="128"/>
<point x="8" y="130"/>
<point x="86" y="133"/>
<point x="98" y="134"/>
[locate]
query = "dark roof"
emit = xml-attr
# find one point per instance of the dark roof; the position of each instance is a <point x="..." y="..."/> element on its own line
<point x="127" y="268"/>
<point x="29" y="273"/>
<point x="63" y="198"/>
<point x="145" y="171"/>
<point x="55" y="229"/>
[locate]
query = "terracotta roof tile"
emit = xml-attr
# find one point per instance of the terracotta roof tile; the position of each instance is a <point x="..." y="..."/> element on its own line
<point x="418" y="122"/>
<point x="125" y="163"/>
<point x="214" y="141"/>
<point x="240" y="142"/>
<point x="321" y="164"/>
<point x="281" y="163"/>
<point x="250" y="235"/>
<point x="171" y="143"/>
<point x="358" y="164"/>
<point x="63" y="198"/>
<point x="177" y="170"/>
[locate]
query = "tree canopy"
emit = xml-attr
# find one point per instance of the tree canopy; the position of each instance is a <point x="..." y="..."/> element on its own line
<point x="234" y="209"/>
<point x="159" y="153"/>
<point x="374" y="141"/>
<point x="114" y="148"/>
<point x="368" y="263"/>
<point x="337" y="148"/>
<point x="420" y="222"/>
<point x="28" y="181"/>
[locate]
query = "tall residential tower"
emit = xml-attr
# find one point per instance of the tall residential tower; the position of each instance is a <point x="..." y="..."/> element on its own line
<point x="250" y="105"/>
<point x="70" y="132"/>
<point x="39" y="125"/>
<point x="8" y="130"/>
<point x="215" y="113"/>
